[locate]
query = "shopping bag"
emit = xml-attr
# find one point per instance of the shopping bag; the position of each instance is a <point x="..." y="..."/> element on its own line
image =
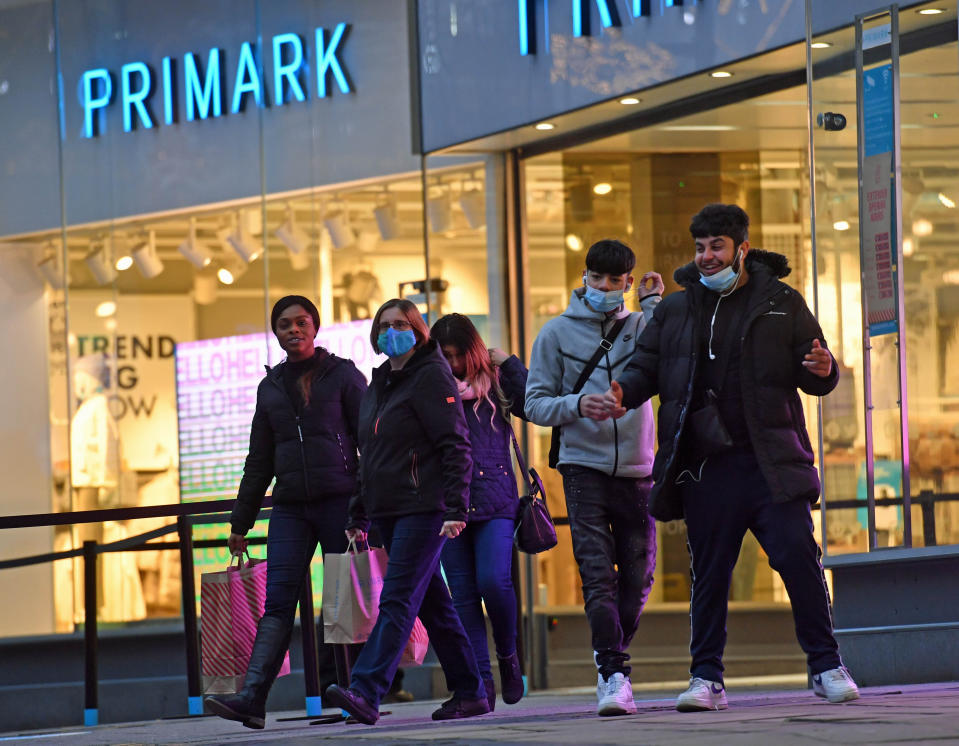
<point x="231" y="604"/>
<point x="352" y="583"/>
<point x="415" y="650"/>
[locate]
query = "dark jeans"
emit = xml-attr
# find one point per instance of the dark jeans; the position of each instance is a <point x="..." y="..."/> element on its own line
<point x="413" y="585"/>
<point x="614" y="542"/>
<point x="478" y="566"/>
<point x="732" y="497"/>
<point x="295" y="529"/>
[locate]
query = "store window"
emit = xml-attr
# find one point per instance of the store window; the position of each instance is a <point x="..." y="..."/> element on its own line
<point x="929" y="85"/>
<point x="643" y="187"/>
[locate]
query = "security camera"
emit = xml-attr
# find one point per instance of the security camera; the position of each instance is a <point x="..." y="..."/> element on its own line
<point x="831" y="121"/>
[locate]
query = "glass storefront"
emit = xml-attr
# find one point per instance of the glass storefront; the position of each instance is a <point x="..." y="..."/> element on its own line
<point x="880" y="395"/>
<point x="462" y="230"/>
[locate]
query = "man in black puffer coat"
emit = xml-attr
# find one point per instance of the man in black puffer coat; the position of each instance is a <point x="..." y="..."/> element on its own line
<point x="726" y="358"/>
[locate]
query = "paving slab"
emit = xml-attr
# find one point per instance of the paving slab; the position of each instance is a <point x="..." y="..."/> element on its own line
<point x="915" y="714"/>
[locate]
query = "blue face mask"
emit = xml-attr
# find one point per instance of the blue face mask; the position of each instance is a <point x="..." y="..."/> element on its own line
<point x="725" y="279"/>
<point x="604" y="302"/>
<point x="394" y="343"/>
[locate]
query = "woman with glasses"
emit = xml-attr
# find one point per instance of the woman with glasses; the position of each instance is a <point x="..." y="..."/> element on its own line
<point x="304" y="434"/>
<point x="478" y="565"/>
<point x="415" y="470"/>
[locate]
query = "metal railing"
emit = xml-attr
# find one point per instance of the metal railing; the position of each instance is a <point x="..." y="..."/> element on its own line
<point x="187" y="516"/>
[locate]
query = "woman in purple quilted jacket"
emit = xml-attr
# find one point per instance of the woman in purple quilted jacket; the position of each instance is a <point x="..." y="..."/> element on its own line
<point x="478" y="564"/>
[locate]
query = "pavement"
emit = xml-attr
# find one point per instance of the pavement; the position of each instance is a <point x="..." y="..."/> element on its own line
<point x="772" y="712"/>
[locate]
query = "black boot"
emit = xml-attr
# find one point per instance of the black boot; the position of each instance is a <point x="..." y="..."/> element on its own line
<point x="510" y="679"/>
<point x="248" y="706"/>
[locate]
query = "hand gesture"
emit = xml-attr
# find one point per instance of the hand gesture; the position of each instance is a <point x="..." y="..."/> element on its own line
<point x="498" y="356"/>
<point x="650" y="283"/>
<point x="452" y="529"/>
<point x="237" y="544"/>
<point x="818" y="360"/>
<point x="603" y="406"/>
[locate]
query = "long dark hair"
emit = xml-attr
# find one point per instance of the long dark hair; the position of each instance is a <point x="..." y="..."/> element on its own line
<point x="304" y="382"/>
<point x="458" y="331"/>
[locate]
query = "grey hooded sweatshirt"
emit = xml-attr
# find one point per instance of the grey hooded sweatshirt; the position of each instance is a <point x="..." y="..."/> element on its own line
<point x="620" y="448"/>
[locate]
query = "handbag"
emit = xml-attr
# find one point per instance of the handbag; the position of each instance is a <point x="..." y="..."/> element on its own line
<point x="231" y="604"/>
<point x="605" y="345"/>
<point x="534" y="532"/>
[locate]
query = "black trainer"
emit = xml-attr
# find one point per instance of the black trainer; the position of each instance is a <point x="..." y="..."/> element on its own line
<point x="456" y="708"/>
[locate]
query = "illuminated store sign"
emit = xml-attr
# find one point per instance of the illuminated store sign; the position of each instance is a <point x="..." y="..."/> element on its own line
<point x="202" y="90"/>
<point x="608" y="16"/>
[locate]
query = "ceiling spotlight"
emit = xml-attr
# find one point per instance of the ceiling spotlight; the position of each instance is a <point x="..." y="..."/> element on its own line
<point x="545" y="126"/>
<point x="946" y="202"/>
<point x="908" y="247"/>
<point x="225" y="276"/>
<point x="930" y="11"/>
<point x="841" y="225"/>
<point x="922" y="227"/>
<point x="195" y="252"/>
<point x="100" y="265"/>
<point x="603" y="187"/>
<point x="240" y="240"/>
<point x="145" y="257"/>
<point x="472" y="204"/>
<point x="106" y="309"/>
<point x="821" y="45"/>
<point x="204" y="288"/>
<point x="574" y="242"/>
<point x="338" y="226"/>
<point x="629" y="101"/>
<point x="293" y="237"/>
<point x="51" y="267"/>
<point x="387" y="220"/>
<point x="124" y="262"/>
<point x="721" y="74"/>
<point x="440" y="213"/>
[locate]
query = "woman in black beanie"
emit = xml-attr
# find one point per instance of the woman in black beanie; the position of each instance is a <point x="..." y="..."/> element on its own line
<point x="305" y="435"/>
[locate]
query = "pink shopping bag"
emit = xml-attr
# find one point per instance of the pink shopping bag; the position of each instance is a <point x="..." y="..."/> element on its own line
<point x="231" y="604"/>
<point x="415" y="650"/>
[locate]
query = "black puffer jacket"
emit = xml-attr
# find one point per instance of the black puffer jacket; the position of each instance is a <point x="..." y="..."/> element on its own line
<point x="414" y="445"/>
<point x="778" y="331"/>
<point x="312" y="454"/>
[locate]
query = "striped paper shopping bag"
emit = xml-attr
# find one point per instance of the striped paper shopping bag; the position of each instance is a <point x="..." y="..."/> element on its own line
<point x="231" y="604"/>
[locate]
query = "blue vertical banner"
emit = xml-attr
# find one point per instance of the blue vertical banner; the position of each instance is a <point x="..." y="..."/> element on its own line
<point x="877" y="202"/>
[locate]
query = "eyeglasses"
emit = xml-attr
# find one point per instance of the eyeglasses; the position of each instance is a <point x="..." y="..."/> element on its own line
<point x="401" y="326"/>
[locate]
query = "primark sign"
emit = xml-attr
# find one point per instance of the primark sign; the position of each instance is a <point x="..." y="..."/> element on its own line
<point x="610" y="12"/>
<point x="200" y="86"/>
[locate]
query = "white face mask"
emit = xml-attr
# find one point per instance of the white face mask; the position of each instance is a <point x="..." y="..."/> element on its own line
<point x="726" y="278"/>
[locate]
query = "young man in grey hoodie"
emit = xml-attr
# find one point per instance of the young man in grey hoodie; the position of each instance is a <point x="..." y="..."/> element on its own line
<point x="606" y="465"/>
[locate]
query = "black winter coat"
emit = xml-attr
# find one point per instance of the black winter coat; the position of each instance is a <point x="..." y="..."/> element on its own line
<point x="778" y="330"/>
<point x="493" y="487"/>
<point x="414" y="444"/>
<point x="312" y="454"/>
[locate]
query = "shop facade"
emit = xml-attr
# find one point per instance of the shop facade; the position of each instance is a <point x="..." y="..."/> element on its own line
<point x="463" y="154"/>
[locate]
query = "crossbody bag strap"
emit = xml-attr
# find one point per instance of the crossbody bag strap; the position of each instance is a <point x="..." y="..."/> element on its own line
<point x="519" y="456"/>
<point x="605" y="345"/>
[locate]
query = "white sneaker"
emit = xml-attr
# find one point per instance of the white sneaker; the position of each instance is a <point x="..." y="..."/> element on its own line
<point x="702" y="695"/>
<point x="836" y="685"/>
<point x="615" y="696"/>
